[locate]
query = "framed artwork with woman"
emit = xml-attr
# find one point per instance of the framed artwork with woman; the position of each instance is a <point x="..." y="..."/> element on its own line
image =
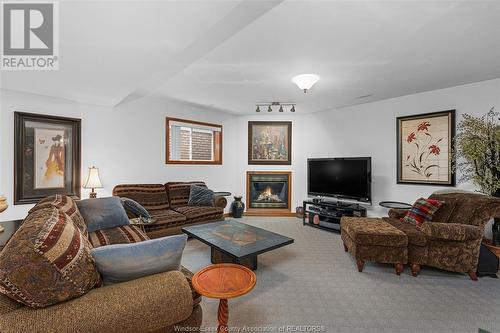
<point x="46" y="156"/>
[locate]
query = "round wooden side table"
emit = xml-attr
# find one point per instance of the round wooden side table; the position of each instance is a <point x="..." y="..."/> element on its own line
<point x="224" y="281"/>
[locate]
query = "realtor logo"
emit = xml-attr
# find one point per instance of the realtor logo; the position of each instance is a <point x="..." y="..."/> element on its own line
<point x="29" y="36"/>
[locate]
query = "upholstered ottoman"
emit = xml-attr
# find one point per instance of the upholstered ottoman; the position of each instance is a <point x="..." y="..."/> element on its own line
<point x="373" y="239"/>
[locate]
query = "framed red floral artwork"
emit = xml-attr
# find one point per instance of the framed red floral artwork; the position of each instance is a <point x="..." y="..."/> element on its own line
<point x="424" y="148"/>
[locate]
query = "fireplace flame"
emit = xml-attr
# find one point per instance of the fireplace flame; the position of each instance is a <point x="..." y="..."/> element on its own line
<point x="267" y="192"/>
<point x="267" y="195"/>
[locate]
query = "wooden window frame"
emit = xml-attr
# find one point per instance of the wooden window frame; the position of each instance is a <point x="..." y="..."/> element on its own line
<point x="217" y="152"/>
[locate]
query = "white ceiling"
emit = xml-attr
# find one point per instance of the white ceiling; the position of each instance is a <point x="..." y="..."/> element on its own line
<point x="232" y="54"/>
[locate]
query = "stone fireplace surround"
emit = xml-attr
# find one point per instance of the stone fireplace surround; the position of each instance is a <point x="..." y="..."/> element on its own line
<point x="268" y="193"/>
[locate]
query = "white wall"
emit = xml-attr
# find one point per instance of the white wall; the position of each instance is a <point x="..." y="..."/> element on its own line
<point x="301" y="138"/>
<point x="126" y="143"/>
<point x="370" y="130"/>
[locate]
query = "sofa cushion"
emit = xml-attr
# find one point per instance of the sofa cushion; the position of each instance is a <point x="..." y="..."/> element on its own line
<point x="151" y="304"/>
<point x="444" y="213"/>
<point x="47" y="261"/>
<point x="422" y="211"/>
<point x="166" y="216"/>
<point x="135" y="209"/>
<point x="124" y="234"/>
<point x="178" y="192"/>
<point x="200" y="213"/>
<point x="65" y="204"/>
<point x="373" y="231"/>
<point x="189" y="277"/>
<point x="103" y="213"/>
<point x="125" y="262"/>
<point x="200" y="196"/>
<point x="452" y="231"/>
<point x="415" y="236"/>
<point x="151" y="196"/>
<point x="7" y="304"/>
<point x="469" y="207"/>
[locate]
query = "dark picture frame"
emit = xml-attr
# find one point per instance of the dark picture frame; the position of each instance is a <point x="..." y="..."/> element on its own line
<point x="425" y="148"/>
<point x="47" y="157"/>
<point x="282" y="132"/>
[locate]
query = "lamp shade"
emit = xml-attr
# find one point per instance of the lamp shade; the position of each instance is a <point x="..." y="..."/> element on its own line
<point x="305" y="81"/>
<point x="3" y="204"/>
<point x="93" y="180"/>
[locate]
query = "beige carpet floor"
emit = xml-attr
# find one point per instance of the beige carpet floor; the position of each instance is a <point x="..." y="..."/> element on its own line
<point x="313" y="285"/>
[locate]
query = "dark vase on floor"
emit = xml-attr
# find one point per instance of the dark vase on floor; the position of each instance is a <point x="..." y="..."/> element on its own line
<point x="237" y="207"/>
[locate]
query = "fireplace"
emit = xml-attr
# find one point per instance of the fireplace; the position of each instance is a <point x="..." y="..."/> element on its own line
<point x="268" y="192"/>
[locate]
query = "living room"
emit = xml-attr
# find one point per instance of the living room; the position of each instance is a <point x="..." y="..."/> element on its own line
<point x="230" y="68"/>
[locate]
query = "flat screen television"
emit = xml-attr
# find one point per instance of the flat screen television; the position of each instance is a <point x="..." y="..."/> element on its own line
<point x="342" y="178"/>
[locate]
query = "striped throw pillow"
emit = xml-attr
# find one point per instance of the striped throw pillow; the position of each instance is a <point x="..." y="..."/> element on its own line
<point x="135" y="209"/>
<point x="200" y="196"/>
<point x="47" y="261"/>
<point x="422" y="211"/>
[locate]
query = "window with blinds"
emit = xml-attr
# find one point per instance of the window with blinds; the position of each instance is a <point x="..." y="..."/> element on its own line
<point x="193" y="142"/>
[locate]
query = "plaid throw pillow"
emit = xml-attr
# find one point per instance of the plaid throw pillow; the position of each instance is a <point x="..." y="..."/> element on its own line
<point x="422" y="211"/>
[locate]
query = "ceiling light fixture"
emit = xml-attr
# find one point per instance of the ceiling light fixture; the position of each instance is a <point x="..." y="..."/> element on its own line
<point x="270" y="105"/>
<point x="305" y="81"/>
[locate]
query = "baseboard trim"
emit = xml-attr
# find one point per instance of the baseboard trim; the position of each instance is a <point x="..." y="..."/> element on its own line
<point x="265" y="213"/>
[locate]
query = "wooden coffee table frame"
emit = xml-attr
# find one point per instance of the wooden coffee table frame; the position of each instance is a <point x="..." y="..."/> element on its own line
<point x="219" y="254"/>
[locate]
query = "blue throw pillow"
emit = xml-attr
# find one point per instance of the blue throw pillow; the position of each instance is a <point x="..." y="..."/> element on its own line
<point x="124" y="262"/>
<point x="136" y="209"/>
<point x="102" y="213"/>
<point x="200" y="196"/>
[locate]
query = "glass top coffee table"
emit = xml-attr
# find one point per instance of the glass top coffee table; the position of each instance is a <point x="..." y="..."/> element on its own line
<point x="234" y="242"/>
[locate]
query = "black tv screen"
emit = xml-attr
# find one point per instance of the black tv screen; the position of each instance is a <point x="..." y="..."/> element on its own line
<point x="348" y="178"/>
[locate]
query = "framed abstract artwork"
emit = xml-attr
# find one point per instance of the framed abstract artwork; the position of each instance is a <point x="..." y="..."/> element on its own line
<point x="270" y="142"/>
<point x="46" y="157"/>
<point x="424" y="148"/>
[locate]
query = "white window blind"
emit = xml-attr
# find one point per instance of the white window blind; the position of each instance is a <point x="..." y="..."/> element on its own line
<point x="190" y="142"/>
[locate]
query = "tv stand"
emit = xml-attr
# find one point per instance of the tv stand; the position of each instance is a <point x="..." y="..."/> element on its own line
<point x="329" y="213"/>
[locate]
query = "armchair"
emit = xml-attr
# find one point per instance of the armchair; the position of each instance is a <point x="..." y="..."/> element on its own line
<point x="451" y="241"/>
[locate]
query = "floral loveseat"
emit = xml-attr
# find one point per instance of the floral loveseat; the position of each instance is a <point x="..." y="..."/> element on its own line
<point x="451" y="241"/>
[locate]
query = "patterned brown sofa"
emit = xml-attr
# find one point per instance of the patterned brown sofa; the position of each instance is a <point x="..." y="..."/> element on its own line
<point x="162" y="302"/>
<point x="168" y="205"/>
<point x="451" y="241"/>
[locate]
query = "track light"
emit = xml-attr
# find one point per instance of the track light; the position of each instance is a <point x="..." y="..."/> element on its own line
<point x="277" y="104"/>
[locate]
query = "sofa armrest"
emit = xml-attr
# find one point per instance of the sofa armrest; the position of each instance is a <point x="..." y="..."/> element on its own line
<point x="142" y="305"/>
<point x="395" y="213"/>
<point x="451" y="231"/>
<point x="220" y="201"/>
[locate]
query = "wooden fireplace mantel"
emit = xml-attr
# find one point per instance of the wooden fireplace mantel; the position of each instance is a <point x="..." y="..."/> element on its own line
<point x="270" y="211"/>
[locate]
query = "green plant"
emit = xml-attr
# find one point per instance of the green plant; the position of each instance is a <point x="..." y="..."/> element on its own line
<point x="477" y="151"/>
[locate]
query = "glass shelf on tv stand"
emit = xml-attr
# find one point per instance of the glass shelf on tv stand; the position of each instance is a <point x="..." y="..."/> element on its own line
<point x="332" y="218"/>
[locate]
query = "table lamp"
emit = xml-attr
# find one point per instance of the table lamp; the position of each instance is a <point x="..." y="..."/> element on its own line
<point x="93" y="181"/>
<point x="3" y="206"/>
